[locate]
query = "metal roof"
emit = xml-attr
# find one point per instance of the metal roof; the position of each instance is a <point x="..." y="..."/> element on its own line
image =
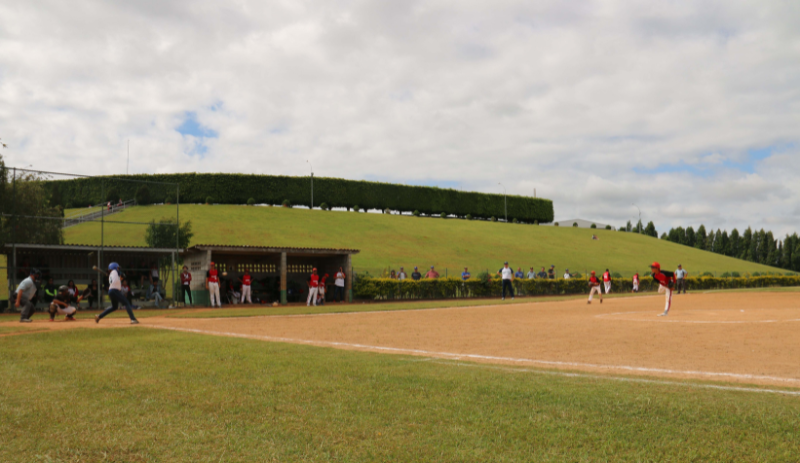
<point x="91" y="247"/>
<point x="268" y="249"/>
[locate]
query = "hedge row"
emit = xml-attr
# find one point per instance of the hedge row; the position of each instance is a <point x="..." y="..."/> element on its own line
<point x="448" y="288"/>
<point x="270" y="189"/>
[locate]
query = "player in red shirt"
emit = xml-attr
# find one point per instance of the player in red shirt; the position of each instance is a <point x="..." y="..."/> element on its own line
<point x="666" y="281"/>
<point x="607" y="281"/>
<point x="245" y="281"/>
<point x="212" y="284"/>
<point x="313" y="287"/>
<point x="595" y="284"/>
<point x="636" y="282"/>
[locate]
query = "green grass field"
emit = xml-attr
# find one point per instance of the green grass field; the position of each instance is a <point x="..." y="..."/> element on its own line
<point x="391" y="241"/>
<point x="122" y="395"/>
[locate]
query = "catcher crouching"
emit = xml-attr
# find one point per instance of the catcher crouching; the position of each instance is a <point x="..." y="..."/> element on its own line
<point x="60" y="305"/>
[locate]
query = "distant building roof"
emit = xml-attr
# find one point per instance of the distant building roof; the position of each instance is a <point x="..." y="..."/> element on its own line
<point x="90" y="247"/>
<point x="269" y="249"/>
<point x="582" y="223"/>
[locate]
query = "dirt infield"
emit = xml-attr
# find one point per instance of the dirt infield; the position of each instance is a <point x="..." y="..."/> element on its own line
<point x="728" y="337"/>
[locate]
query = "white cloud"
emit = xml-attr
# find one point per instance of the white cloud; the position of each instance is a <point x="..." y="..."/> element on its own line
<point x="585" y="101"/>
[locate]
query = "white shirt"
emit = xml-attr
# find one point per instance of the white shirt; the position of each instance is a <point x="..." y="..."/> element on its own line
<point x="401" y="276"/>
<point x="507" y="273"/>
<point x="531" y="275"/>
<point x="339" y="280"/>
<point x="28" y="288"/>
<point x="566" y="276"/>
<point x="680" y="273"/>
<point x="114" y="281"/>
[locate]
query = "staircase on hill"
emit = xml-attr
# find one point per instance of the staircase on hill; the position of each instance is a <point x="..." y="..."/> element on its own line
<point x="96" y="212"/>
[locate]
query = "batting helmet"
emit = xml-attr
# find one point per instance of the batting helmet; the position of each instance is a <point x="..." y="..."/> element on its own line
<point x="113" y="266"/>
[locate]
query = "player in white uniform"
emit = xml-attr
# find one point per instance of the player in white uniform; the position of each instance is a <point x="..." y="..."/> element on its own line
<point x="116" y="296"/>
<point x="636" y="283"/>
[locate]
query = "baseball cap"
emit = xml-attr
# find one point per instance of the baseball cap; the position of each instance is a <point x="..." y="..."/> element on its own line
<point x="593" y="273"/>
<point x="505" y="263"/>
<point x="314" y="269"/>
<point x="655" y="265"/>
<point x="211" y="263"/>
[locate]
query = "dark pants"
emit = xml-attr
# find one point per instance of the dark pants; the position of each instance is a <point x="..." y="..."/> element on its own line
<point x="507" y="284"/>
<point x="91" y="300"/>
<point x="184" y="291"/>
<point x="27" y="308"/>
<point x="680" y="285"/>
<point x="118" y="298"/>
<point x="338" y="293"/>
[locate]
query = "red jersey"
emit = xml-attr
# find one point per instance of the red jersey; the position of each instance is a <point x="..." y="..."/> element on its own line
<point x="213" y="276"/>
<point x="186" y="278"/>
<point x="594" y="281"/>
<point x="606" y="276"/>
<point x="636" y="279"/>
<point x="246" y="280"/>
<point x="665" y="278"/>
<point x="314" y="281"/>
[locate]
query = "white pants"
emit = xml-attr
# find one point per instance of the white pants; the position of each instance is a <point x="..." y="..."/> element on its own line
<point x="246" y="294"/>
<point x="595" y="289"/>
<point x="213" y="293"/>
<point x="636" y="287"/>
<point x="665" y="289"/>
<point x="607" y="284"/>
<point x="68" y="310"/>
<point x="312" y="295"/>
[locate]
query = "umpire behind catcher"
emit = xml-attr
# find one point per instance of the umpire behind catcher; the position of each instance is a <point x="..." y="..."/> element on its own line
<point x="25" y="292"/>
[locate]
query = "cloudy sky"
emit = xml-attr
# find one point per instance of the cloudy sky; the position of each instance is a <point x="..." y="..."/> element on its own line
<point x="689" y="109"/>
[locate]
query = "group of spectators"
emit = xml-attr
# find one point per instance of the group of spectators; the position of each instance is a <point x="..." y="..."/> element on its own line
<point x="431" y="274"/>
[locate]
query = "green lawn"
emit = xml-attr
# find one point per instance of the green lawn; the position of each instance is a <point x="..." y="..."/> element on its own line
<point x="391" y="241"/>
<point x="159" y="396"/>
<point x="17" y="328"/>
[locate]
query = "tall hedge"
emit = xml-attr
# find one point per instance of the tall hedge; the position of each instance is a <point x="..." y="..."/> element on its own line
<point x="272" y="189"/>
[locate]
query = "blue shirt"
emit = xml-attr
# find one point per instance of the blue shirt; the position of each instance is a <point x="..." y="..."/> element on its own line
<point x="518" y="275"/>
<point x="465" y="275"/>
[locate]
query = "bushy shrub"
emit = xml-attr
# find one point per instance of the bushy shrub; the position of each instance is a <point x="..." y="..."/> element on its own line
<point x="616" y="275"/>
<point x="577" y="275"/>
<point x="725" y="275"/>
<point x="416" y="213"/>
<point x="555" y="224"/>
<point x="324" y="206"/>
<point x="608" y="227"/>
<point x="387" y="211"/>
<point x="170" y="198"/>
<point x="575" y="224"/>
<point x="286" y="203"/>
<point x="756" y="274"/>
<point x="735" y="274"/>
<point x="142" y="196"/>
<point x="593" y="226"/>
<point x="493" y="219"/>
<point x="251" y="201"/>
<point x="443" y="215"/>
<point x="356" y="208"/>
<point x="536" y="222"/>
<point x="209" y="200"/>
<point x="469" y="217"/>
<point x="514" y="220"/>
<point x="706" y="274"/>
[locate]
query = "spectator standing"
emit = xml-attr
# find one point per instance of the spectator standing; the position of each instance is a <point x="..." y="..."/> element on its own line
<point x="531" y="274"/>
<point x="607" y="281"/>
<point x="401" y="275"/>
<point x="186" y="285"/>
<point x="465" y="275"/>
<point x="313" y="288"/>
<point x="432" y="274"/>
<point x="519" y="273"/>
<point x="50" y="291"/>
<point x="393" y="275"/>
<point x="594" y="284"/>
<point x="551" y="274"/>
<point x="212" y="284"/>
<point x="636" y="282"/>
<point x="542" y="274"/>
<point x="415" y="275"/>
<point x="508" y="278"/>
<point x="246" y="280"/>
<point x="680" y="279"/>
<point x="90" y="293"/>
<point x="567" y="275"/>
<point x="338" y="285"/>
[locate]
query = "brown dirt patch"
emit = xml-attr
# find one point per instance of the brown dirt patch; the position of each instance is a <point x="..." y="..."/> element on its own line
<point x="730" y="337"/>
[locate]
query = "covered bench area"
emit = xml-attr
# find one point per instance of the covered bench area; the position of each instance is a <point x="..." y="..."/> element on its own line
<point x="279" y="273"/>
<point x="74" y="262"/>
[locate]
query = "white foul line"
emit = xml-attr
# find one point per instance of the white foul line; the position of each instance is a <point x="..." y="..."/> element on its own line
<point x="399" y="350"/>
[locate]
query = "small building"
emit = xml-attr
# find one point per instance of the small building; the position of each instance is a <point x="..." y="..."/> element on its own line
<point x="281" y="272"/>
<point x="582" y="223"/>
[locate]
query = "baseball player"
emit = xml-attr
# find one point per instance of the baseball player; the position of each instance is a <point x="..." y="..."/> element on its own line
<point x="212" y="284"/>
<point x="607" y="281"/>
<point x="245" y="280"/>
<point x="508" y="280"/>
<point x="26" y="291"/>
<point x="666" y="281"/>
<point x="60" y="305"/>
<point x="313" y="285"/>
<point x="636" y="282"/>
<point x="594" y="283"/>
<point x="116" y="296"/>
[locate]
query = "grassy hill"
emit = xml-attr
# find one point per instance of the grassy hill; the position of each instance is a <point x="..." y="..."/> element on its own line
<point x="391" y="241"/>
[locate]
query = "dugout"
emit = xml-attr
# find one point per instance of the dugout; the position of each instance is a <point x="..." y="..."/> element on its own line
<point x="279" y="273"/>
<point x="75" y="261"/>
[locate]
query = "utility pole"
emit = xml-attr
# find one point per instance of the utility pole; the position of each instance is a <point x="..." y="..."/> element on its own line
<point x="505" y="201"/>
<point x="312" y="183"/>
<point x="639" y="224"/>
<point x="128" y="163"/>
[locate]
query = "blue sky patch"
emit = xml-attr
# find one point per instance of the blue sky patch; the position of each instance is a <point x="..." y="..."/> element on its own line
<point x="706" y="169"/>
<point x="190" y="126"/>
